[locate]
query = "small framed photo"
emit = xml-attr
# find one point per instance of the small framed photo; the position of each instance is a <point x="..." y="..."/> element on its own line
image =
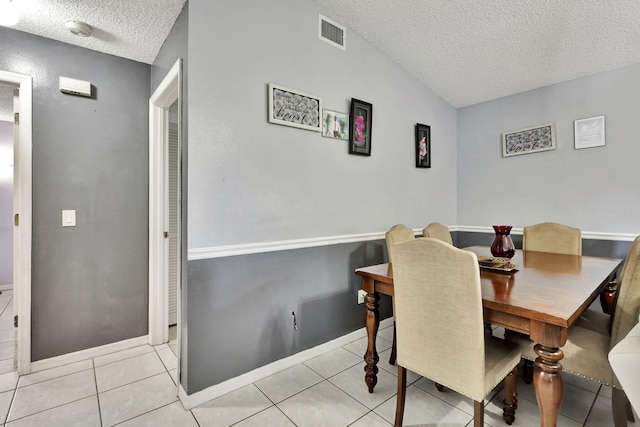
<point x="290" y="107"/>
<point x="423" y="146"/>
<point x="335" y="125"/>
<point x="360" y="128"/>
<point x="589" y="132"/>
<point x="529" y="140"/>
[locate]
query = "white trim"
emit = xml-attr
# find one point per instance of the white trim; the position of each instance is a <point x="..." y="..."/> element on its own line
<point x="261" y="247"/>
<point x="165" y="95"/>
<point x="254" y="248"/>
<point x="90" y="353"/>
<point x="23" y="206"/>
<point x="8" y="287"/>
<point x="210" y="393"/>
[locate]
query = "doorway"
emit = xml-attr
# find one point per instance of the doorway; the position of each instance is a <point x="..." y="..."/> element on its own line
<point x="165" y="225"/>
<point x="21" y="98"/>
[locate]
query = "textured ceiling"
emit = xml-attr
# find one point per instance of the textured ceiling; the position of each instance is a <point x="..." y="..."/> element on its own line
<point x="471" y="51"/>
<point x="467" y="51"/>
<point x="133" y="29"/>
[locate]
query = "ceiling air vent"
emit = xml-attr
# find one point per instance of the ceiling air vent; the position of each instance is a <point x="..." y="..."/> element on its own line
<point x="332" y="33"/>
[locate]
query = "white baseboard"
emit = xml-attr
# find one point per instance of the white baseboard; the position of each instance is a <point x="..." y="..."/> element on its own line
<point x="8" y="287"/>
<point x="89" y="353"/>
<point x="192" y="400"/>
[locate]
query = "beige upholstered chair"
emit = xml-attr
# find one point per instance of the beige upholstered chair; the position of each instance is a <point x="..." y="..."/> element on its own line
<point x="552" y="237"/>
<point x="624" y="358"/>
<point x="441" y="334"/>
<point x="399" y="233"/>
<point x="438" y="231"/>
<point x="586" y="350"/>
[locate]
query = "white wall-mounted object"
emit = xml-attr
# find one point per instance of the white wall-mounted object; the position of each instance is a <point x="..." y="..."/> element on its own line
<point x="332" y="32"/>
<point x="69" y="218"/>
<point x="75" y="86"/>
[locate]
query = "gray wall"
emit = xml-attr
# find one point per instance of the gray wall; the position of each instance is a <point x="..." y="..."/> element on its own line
<point x="594" y="189"/>
<point x="6" y="204"/>
<point x="251" y="181"/>
<point x="90" y="282"/>
<point x="174" y="47"/>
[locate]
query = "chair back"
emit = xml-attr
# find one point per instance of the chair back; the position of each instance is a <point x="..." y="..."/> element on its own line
<point x="438" y="231"/>
<point x="627" y="307"/>
<point x="399" y="233"/>
<point x="552" y="237"/>
<point x="438" y="312"/>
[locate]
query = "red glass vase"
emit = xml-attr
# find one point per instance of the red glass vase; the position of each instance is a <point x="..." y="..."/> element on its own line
<point x="502" y="245"/>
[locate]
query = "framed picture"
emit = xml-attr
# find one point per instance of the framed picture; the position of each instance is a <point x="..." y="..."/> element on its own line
<point x="589" y="132"/>
<point x="360" y="128"/>
<point x="290" y="107"/>
<point x="529" y="140"/>
<point x="423" y="146"/>
<point x="335" y="125"/>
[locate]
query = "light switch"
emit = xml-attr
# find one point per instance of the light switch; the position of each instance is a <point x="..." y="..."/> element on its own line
<point x="68" y="218"/>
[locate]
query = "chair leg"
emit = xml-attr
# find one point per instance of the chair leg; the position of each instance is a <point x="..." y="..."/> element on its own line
<point x="478" y="414"/>
<point x="510" y="403"/>
<point x="619" y="407"/>
<point x="392" y="358"/>
<point x="402" y="391"/>
<point x="527" y="371"/>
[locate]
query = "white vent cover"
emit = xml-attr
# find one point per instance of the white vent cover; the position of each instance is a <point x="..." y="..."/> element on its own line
<point x="75" y="87"/>
<point x="332" y="33"/>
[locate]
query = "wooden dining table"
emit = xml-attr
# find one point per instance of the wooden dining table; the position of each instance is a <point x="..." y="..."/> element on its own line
<point x="542" y="297"/>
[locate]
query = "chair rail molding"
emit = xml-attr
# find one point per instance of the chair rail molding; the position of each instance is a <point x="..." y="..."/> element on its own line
<point x="195" y="254"/>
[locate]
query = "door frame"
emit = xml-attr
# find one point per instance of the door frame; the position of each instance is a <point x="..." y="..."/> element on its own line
<point x="164" y="96"/>
<point x="22" y="206"/>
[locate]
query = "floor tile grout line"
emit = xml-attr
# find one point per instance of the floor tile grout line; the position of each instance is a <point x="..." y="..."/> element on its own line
<point x="95" y="381"/>
<point x="136" y="381"/>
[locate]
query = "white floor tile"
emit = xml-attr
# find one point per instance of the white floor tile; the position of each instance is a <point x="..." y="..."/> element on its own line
<point x="451" y="397"/>
<point x="371" y="420"/>
<point x="232" y="407"/>
<point x="359" y="347"/>
<point x="322" y="405"/>
<point x="352" y="382"/>
<point x="527" y="415"/>
<point x="422" y="408"/>
<point x="286" y="383"/>
<point x="5" y="403"/>
<point x="168" y="358"/>
<point x="129" y="401"/>
<point x="127" y="371"/>
<point x="51" y="393"/>
<point x="329" y="364"/>
<point x="271" y="417"/>
<point x="173" y="415"/>
<point x="601" y="414"/>
<point x="60" y="371"/>
<point x="121" y="355"/>
<point x="81" y="413"/>
<point x="8" y="381"/>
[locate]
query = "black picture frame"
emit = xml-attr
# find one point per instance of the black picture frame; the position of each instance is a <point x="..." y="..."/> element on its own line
<point x="423" y="146"/>
<point x="361" y="116"/>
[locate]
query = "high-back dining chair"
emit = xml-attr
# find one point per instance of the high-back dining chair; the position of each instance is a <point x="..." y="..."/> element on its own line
<point x="552" y="237"/>
<point x="440" y="329"/>
<point x="438" y="231"/>
<point x="587" y="348"/>
<point x="399" y="233"/>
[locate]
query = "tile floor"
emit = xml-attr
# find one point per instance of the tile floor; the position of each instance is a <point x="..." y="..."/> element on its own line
<point x="137" y="387"/>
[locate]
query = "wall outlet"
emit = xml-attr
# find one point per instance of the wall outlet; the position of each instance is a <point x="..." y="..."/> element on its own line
<point x="361" y="295"/>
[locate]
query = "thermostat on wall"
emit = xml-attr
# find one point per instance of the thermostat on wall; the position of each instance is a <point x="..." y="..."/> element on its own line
<point x="75" y="87"/>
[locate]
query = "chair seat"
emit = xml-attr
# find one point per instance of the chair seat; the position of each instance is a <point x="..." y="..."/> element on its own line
<point x="594" y="320"/>
<point x="585" y="353"/>
<point x="500" y="358"/>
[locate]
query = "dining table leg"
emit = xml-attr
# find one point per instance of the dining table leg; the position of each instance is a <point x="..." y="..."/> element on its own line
<point x="547" y="380"/>
<point x="372" y="322"/>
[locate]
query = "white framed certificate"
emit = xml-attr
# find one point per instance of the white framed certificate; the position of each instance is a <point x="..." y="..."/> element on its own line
<point x="589" y="132"/>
